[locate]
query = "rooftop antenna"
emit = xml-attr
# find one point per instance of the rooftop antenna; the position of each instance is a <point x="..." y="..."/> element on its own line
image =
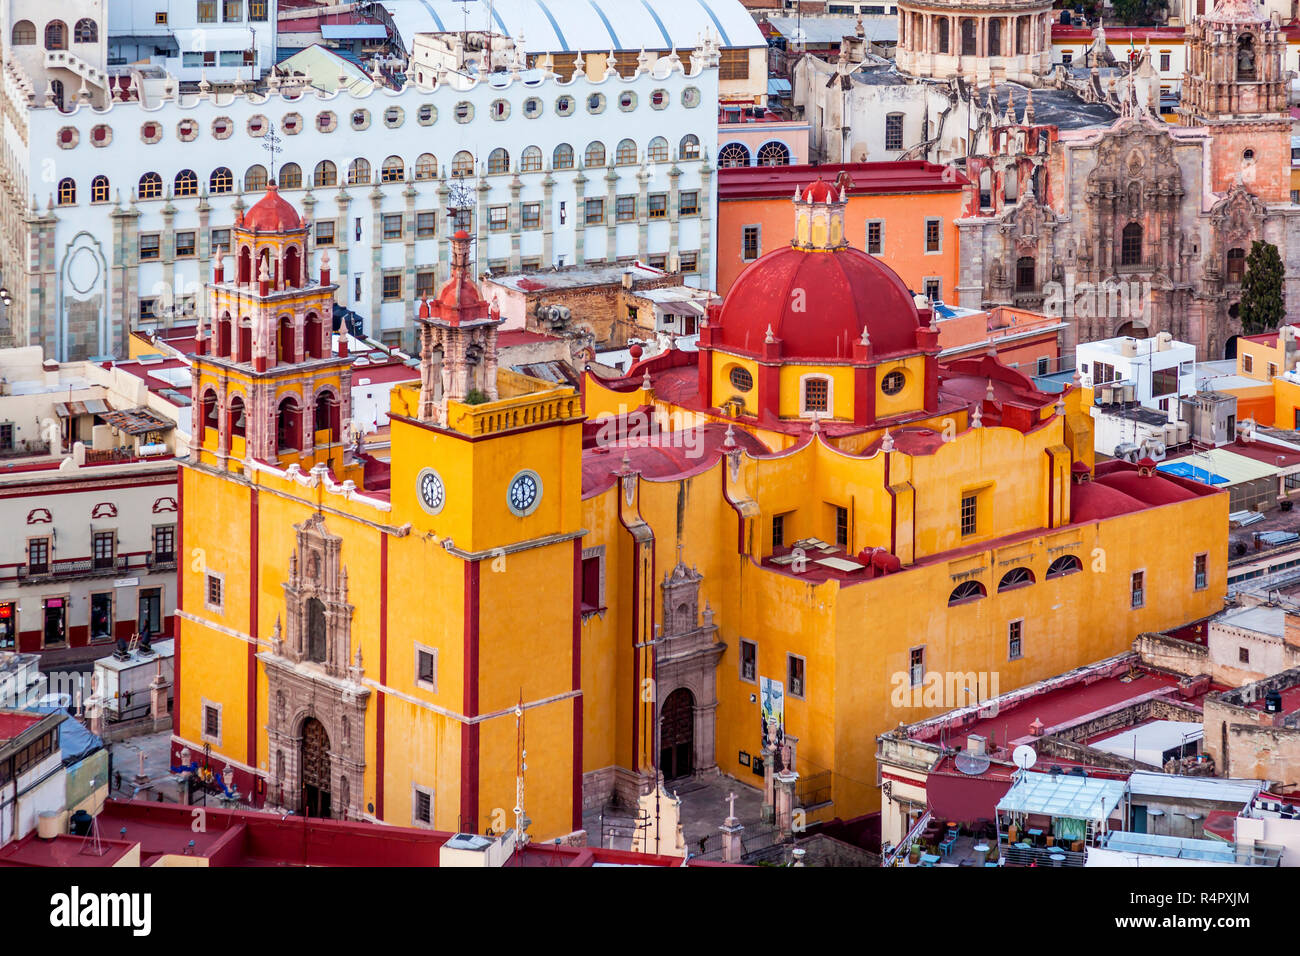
<point x="91" y="845"/>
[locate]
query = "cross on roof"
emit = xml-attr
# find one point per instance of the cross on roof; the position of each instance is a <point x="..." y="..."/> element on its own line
<point x="272" y="146"/>
<point x="731" y="804"/>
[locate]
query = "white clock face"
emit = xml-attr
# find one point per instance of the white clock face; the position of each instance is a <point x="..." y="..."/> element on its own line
<point x="433" y="494"/>
<point x="525" y="493"/>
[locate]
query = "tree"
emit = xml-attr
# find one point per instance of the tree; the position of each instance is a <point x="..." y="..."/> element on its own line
<point x="1139" y="12"/>
<point x="1263" y="303"/>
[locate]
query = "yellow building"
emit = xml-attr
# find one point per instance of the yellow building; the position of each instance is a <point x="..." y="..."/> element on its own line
<point x="777" y="538"/>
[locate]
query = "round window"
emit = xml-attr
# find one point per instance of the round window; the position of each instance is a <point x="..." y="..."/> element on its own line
<point x="564" y="105"/>
<point x="893" y="383"/>
<point x="741" y="379"/>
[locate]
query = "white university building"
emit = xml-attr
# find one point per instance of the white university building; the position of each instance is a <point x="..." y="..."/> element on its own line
<point x="118" y="186"/>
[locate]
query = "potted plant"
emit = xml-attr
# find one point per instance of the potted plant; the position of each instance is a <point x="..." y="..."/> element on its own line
<point x="914" y="853"/>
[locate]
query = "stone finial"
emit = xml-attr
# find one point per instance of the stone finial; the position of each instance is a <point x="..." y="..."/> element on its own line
<point x="866" y="339"/>
<point x="1029" y="108"/>
<point x="1010" y="118"/>
<point x="730" y="440"/>
<point x="815" y="427"/>
<point x="611" y="66"/>
<point x="646" y="383"/>
<point x="989" y="394"/>
<point x="887" y="442"/>
<point x="977" y="418"/>
<point x="1060" y="405"/>
<point x="218" y="256"/>
<point x="770" y="337"/>
<point x="579" y="66"/>
<point x="264" y="274"/>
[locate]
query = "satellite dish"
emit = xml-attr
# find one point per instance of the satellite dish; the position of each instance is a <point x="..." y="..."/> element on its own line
<point x="1024" y="756"/>
<point x="972" y="764"/>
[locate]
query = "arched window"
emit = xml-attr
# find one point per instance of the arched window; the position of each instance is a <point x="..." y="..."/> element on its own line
<point x="327" y="407"/>
<point x="690" y="147"/>
<point x="150" y="186"/>
<point x="774" y="154"/>
<point x="290" y="176"/>
<point x="986" y="188"/>
<point x="99" y="189"/>
<point x="1130" y="252"/>
<point x="359" y="172"/>
<point x="657" y="151"/>
<point x="293" y="268"/>
<point x="1010" y="184"/>
<point x="1065" y="564"/>
<point x="245" y="272"/>
<point x="995" y="37"/>
<point x="288" y="425"/>
<point x="426" y="166"/>
<point x="23" y="34"/>
<point x="562" y="157"/>
<point x="733" y="155"/>
<point x="86" y="31"/>
<point x="314" y="336"/>
<point x="393" y="170"/>
<point x="255" y="179"/>
<point x="1245" y="57"/>
<point x="595" y="155"/>
<point x="67" y="192"/>
<point x="223" y="335"/>
<point x="462" y="164"/>
<point x="235" y="417"/>
<point x="965" y="592"/>
<point x="968" y="45"/>
<point x="625" y="154"/>
<point x="1025" y="278"/>
<point x="530" y="160"/>
<point x="1236" y="265"/>
<point x="186" y="183"/>
<point x="210" y="419"/>
<point x="498" y="161"/>
<point x="1016" y="578"/>
<point x="56" y="35"/>
<point x="943" y="34"/>
<point x="325" y="174"/>
<point x="284" y="341"/>
<point x="221" y="181"/>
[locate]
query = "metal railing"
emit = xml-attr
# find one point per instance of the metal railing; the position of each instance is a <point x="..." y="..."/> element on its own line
<point x="1041" y="856"/>
<point x="892" y="858"/>
<point x="814" y="790"/>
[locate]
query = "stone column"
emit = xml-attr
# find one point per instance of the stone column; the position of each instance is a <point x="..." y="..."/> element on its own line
<point x="785" y="784"/>
<point x="769" y="784"/>
<point x="158" y="694"/>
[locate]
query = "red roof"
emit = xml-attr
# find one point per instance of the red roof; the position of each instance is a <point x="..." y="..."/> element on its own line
<point x="771" y="182"/>
<point x="820" y="191"/>
<point x="272" y="213"/>
<point x="12" y="724"/>
<point x="817" y="302"/>
<point x="1093" y="501"/>
<point x="659" y="456"/>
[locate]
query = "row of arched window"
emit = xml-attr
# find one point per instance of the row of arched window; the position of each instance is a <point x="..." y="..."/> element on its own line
<point x="393" y="169"/>
<point x="288" y="418"/>
<point x="1015" y="578"/>
<point x="769" y="154"/>
<point x="85" y="30"/>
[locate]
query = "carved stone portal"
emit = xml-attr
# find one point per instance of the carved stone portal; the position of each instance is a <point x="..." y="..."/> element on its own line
<point x="686" y="663"/>
<point x="316" y="713"/>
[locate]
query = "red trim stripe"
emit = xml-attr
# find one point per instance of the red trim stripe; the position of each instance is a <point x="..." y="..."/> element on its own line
<point x="252" y="627"/>
<point x="383" y="675"/>
<point x="577" y="683"/>
<point x="181" y="558"/>
<point x="469" y="734"/>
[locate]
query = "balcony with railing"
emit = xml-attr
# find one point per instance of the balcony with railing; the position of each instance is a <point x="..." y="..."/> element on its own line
<point x="62" y="569"/>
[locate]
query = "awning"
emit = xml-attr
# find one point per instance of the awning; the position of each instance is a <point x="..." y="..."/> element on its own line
<point x="963" y="798"/>
<point x="138" y="421"/>
<point x="94" y="406"/>
<point x="681" y="308"/>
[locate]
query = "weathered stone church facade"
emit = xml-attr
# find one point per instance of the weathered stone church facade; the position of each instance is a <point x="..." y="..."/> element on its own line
<point x="1142" y="226"/>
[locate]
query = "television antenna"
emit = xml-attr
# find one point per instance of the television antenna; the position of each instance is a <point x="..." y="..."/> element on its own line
<point x="272" y="146"/>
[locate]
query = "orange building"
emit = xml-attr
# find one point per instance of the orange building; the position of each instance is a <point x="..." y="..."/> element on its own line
<point x="902" y="213"/>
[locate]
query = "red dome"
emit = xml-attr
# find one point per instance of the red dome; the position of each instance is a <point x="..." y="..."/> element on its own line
<point x="820" y="191"/>
<point x="842" y="291"/>
<point x="272" y="213"/>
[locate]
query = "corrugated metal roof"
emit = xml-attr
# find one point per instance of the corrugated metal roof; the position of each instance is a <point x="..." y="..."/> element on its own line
<point x="1221" y="789"/>
<point x="550" y="26"/>
<point x="1233" y="468"/>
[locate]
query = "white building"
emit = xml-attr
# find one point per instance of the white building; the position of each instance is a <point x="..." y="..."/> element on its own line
<point x="220" y="40"/>
<point x="112" y="212"/>
<point x="88" y="495"/>
<point x="1159" y="370"/>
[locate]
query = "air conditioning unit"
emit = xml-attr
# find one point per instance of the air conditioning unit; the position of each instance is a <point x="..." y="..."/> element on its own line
<point x="1153" y="449"/>
<point x="1127" y="451"/>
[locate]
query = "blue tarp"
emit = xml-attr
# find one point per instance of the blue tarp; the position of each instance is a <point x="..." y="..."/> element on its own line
<point x="353" y="31"/>
<point x="1181" y="469"/>
<point x="75" y="741"/>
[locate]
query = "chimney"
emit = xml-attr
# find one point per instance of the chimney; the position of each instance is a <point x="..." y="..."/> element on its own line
<point x="976" y="744"/>
<point x="325" y="268"/>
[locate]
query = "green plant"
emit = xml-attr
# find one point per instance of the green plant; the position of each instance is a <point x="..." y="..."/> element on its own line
<point x="475" y="397"/>
<point x="1263" y="304"/>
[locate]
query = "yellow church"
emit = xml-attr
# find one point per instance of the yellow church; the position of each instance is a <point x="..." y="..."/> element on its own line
<point x="761" y="539"/>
